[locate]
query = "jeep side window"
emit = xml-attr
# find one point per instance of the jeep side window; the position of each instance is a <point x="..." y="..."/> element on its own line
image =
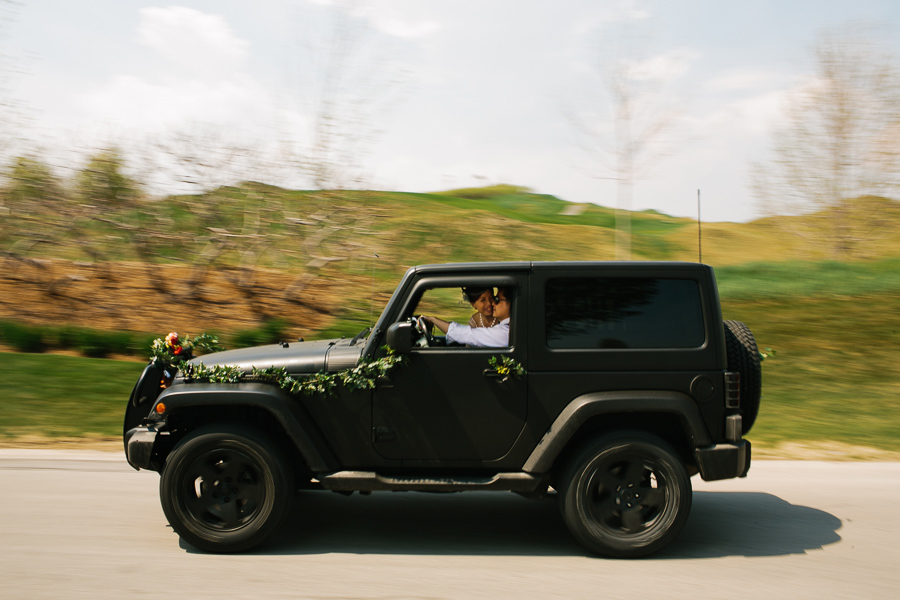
<point x="446" y="303"/>
<point x="449" y="304"/>
<point x="606" y="312"/>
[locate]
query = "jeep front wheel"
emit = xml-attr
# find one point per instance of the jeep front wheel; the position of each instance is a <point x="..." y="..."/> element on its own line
<point x="625" y="495"/>
<point x="225" y="489"/>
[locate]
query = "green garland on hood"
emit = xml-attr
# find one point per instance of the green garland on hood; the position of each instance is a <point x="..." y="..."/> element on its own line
<point x="176" y="352"/>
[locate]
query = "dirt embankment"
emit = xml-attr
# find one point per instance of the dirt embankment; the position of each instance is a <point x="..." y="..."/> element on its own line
<point x="159" y="298"/>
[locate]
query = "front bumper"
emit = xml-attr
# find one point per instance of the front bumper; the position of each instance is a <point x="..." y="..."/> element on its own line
<point x="724" y="461"/>
<point x="139" y="444"/>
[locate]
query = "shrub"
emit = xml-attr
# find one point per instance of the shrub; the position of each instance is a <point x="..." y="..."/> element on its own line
<point x="271" y="332"/>
<point x="89" y="342"/>
<point x="100" y="344"/>
<point x="23" y="338"/>
<point x="485" y="193"/>
<point x="138" y="344"/>
<point x="66" y="337"/>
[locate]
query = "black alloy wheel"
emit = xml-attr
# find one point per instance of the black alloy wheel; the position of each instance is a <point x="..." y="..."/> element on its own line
<point x="625" y="495"/>
<point x="225" y="489"/>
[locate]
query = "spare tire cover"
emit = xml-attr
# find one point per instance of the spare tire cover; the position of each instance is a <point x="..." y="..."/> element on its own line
<point x="743" y="357"/>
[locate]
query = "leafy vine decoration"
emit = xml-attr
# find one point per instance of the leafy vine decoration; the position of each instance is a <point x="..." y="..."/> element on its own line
<point x="176" y="352"/>
<point x="507" y="366"/>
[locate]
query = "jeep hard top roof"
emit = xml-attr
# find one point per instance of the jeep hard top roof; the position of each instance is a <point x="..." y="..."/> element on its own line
<point x="552" y="265"/>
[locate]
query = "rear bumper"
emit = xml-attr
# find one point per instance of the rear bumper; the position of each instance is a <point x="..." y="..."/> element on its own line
<point x="724" y="461"/>
<point x="139" y="443"/>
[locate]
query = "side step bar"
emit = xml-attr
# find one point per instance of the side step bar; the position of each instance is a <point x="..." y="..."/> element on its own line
<point x="365" y="481"/>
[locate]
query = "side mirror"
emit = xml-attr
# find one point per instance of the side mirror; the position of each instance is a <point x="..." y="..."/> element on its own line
<point x="399" y="337"/>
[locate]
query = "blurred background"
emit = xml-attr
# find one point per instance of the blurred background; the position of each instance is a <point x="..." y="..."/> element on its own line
<point x="269" y="171"/>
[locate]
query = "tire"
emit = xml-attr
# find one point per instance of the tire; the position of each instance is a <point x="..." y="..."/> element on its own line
<point x="743" y="357"/>
<point x="225" y="489"/>
<point x="625" y="495"/>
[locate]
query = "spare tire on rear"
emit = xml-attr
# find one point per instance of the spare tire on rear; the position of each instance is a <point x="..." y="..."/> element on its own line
<point x="743" y="357"/>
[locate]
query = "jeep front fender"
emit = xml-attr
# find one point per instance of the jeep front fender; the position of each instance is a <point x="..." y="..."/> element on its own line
<point x="585" y="407"/>
<point x="286" y="410"/>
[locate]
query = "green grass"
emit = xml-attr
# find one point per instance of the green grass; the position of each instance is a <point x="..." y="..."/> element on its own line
<point x="94" y="343"/>
<point x="443" y="226"/>
<point x="271" y="332"/>
<point x="834" y="375"/>
<point x="835" y="325"/>
<point x="764" y="281"/>
<point x="50" y="395"/>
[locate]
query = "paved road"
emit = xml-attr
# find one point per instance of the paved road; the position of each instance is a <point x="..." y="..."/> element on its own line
<point x="84" y="525"/>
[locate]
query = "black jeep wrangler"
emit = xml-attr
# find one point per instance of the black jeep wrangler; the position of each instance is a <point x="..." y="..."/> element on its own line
<point x="621" y="381"/>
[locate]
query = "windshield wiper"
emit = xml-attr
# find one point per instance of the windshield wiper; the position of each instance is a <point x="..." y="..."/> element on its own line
<point x="360" y="335"/>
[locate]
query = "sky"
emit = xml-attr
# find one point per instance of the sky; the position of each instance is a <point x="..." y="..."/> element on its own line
<point x="463" y="93"/>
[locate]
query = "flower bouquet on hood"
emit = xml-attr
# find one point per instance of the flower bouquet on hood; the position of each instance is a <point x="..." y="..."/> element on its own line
<point x="175" y="350"/>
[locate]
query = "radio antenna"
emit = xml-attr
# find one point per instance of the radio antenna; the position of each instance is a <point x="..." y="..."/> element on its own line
<point x="699" y="232"/>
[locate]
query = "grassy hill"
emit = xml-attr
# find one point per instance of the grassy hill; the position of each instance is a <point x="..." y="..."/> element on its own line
<point x="412" y="228"/>
<point x="834" y="326"/>
<point x="835" y="330"/>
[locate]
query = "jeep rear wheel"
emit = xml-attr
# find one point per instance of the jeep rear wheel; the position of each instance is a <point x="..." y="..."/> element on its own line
<point x="225" y="489"/>
<point x="743" y="357"/>
<point x="625" y="495"/>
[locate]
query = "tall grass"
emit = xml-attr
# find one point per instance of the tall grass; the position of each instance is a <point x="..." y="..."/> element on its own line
<point x="756" y="281"/>
<point x="271" y="332"/>
<point x="64" y="396"/>
<point x="95" y="343"/>
<point x="834" y="372"/>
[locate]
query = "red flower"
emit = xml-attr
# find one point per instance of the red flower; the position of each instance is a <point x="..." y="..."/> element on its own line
<point x="177" y="350"/>
<point x="172" y="339"/>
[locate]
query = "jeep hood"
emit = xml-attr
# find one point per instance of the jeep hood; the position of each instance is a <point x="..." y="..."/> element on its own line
<point x="295" y="357"/>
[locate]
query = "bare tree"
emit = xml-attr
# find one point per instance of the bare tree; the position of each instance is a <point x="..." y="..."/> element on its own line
<point x="628" y="132"/>
<point x="348" y="85"/>
<point x="32" y="211"/>
<point x="223" y="213"/>
<point x="12" y="117"/>
<point x="104" y="193"/>
<point x="29" y="185"/>
<point x="839" y="145"/>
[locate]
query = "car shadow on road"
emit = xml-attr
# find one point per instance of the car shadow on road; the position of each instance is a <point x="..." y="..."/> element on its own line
<point x="490" y="524"/>
<point x="479" y="523"/>
<point x="751" y="524"/>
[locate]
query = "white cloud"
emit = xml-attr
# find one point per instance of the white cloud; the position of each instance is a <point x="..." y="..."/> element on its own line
<point x="743" y="79"/>
<point x="131" y="99"/>
<point x="404" y="29"/>
<point x="619" y="12"/>
<point x="378" y="15"/>
<point x="198" y="42"/>
<point x="737" y="121"/>
<point x="198" y="77"/>
<point x="760" y="114"/>
<point x="628" y="11"/>
<point x="668" y="66"/>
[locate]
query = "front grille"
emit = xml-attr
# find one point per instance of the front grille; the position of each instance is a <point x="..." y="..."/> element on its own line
<point x="732" y="390"/>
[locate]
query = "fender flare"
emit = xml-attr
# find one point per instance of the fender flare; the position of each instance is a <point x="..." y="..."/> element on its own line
<point x="289" y="413"/>
<point x="586" y="406"/>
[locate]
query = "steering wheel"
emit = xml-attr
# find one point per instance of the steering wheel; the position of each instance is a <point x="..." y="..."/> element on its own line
<point x="424" y="330"/>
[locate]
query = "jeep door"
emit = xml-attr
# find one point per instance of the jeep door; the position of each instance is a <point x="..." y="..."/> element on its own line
<point x="447" y="403"/>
